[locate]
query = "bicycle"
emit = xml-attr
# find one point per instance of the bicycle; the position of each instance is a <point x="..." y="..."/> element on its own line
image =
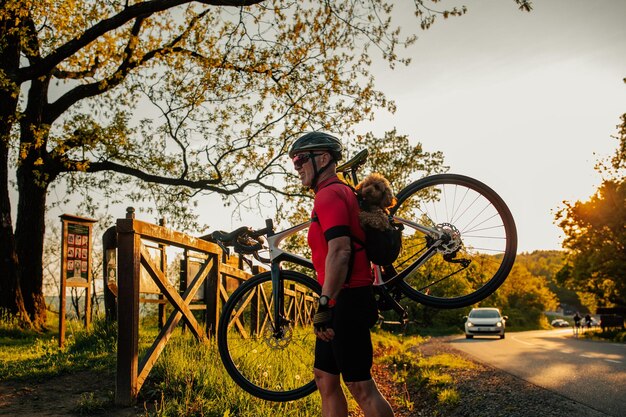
<point x="459" y="245"/>
<point x="576" y="329"/>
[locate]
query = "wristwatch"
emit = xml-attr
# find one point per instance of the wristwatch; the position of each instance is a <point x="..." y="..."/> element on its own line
<point x="326" y="301"/>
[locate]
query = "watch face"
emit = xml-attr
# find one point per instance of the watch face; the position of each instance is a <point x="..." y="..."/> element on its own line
<point x="323" y="300"/>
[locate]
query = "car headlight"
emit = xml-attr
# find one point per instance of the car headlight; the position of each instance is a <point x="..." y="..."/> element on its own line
<point x="469" y="324"/>
<point x="499" y="324"/>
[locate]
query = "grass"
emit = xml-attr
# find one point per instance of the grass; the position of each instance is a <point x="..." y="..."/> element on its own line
<point x="613" y="335"/>
<point x="36" y="356"/>
<point x="411" y="370"/>
<point x="189" y="378"/>
<point x="90" y="405"/>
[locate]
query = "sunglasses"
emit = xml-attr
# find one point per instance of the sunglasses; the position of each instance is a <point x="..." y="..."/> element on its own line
<point x="301" y="159"/>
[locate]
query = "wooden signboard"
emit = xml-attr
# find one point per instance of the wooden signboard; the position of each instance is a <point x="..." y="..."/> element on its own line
<point x="76" y="244"/>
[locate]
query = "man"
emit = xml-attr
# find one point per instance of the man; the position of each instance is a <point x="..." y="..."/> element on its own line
<point x="577" y="320"/>
<point x="347" y="308"/>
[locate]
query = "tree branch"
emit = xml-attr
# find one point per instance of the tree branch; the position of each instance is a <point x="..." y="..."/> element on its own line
<point x="128" y="64"/>
<point x="77" y="75"/>
<point x="204" y="184"/>
<point x="47" y="64"/>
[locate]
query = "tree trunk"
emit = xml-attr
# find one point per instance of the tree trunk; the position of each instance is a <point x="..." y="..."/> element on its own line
<point x="11" y="301"/>
<point x="12" y="306"/>
<point x="29" y="238"/>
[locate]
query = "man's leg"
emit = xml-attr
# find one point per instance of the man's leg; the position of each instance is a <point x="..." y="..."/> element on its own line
<point x="334" y="402"/>
<point x="370" y="399"/>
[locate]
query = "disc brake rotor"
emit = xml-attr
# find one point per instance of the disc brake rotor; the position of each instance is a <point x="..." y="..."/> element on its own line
<point x="280" y="339"/>
<point x="453" y="241"/>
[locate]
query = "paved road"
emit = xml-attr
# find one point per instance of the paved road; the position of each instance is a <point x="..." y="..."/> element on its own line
<point x="589" y="372"/>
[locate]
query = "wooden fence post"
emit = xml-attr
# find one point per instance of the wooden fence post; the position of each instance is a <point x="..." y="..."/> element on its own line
<point x="109" y="269"/>
<point x="129" y="246"/>
<point x="213" y="296"/>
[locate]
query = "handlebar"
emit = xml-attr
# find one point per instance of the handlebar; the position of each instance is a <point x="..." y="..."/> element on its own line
<point x="244" y="240"/>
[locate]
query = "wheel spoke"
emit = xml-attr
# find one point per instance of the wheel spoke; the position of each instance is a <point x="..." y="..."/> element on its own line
<point x="458" y="219"/>
<point x="273" y="357"/>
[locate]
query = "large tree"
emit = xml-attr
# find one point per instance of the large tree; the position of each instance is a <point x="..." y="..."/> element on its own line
<point x="595" y="234"/>
<point x="164" y="99"/>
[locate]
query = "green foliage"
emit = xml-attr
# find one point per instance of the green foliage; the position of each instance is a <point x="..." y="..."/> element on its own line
<point x="168" y="100"/>
<point x="101" y="338"/>
<point x="596" y="239"/>
<point x="543" y="263"/>
<point x="400" y="161"/>
<point x="189" y="379"/>
<point x="409" y="367"/>
<point x="547" y="264"/>
<point x="156" y="103"/>
<point x="613" y="335"/>
<point x="31" y="355"/>
<point x="90" y="404"/>
<point x="595" y="236"/>
<point x="448" y="397"/>
<point x="523" y="297"/>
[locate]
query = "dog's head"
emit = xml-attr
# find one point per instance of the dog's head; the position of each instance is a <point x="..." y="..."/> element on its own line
<point x="376" y="191"/>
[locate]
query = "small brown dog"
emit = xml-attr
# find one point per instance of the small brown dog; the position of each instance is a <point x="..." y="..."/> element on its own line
<point x="377" y="197"/>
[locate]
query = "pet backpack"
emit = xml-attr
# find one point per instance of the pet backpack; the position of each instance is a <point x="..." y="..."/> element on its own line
<point x="381" y="246"/>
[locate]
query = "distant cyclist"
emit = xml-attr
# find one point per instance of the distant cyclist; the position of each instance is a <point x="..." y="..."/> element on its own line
<point x="577" y="320"/>
<point x="588" y="321"/>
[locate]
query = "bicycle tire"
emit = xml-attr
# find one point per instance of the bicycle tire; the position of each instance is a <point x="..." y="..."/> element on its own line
<point x="274" y="368"/>
<point x="484" y="234"/>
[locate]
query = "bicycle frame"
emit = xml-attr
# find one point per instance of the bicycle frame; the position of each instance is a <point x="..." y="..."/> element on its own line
<point x="448" y="223"/>
<point x="278" y="255"/>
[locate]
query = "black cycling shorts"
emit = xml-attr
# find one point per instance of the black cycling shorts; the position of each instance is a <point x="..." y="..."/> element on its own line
<point x="350" y="353"/>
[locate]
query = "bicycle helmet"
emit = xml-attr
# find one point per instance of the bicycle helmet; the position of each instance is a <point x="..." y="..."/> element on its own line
<point x="317" y="141"/>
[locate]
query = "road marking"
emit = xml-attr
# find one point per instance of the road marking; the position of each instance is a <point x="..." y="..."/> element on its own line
<point x="587" y="356"/>
<point x="523" y="341"/>
<point x="611" y="360"/>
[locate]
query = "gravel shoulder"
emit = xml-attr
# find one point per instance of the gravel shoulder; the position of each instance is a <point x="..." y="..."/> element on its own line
<point x="484" y="391"/>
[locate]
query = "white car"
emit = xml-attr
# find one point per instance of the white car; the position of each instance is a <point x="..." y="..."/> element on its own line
<point x="485" y="321"/>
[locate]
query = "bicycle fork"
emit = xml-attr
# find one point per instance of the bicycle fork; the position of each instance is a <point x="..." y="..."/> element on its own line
<point x="278" y="292"/>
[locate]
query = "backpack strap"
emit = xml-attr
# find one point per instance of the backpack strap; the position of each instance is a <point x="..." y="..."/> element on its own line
<point x="353" y="239"/>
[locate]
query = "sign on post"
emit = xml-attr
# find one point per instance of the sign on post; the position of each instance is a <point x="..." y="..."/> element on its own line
<point x="76" y="244"/>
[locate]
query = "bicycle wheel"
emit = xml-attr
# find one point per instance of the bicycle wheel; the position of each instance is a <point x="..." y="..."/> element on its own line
<point x="459" y="241"/>
<point x="272" y="364"/>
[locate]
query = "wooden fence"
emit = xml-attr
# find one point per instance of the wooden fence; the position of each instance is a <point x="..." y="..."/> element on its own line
<point x="208" y="277"/>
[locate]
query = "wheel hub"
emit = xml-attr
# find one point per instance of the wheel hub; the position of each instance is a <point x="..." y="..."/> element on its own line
<point x="279" y="339"/>
<point x="450" y="240"/>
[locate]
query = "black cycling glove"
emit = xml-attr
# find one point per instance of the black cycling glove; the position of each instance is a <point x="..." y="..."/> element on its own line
<point x="323" y="318"/>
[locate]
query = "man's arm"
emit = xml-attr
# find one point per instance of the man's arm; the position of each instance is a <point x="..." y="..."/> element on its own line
<point x="336" y="269"/>
<point x="337" y="264"/>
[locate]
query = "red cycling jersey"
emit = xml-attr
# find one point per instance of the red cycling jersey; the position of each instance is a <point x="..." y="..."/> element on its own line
<point x="335" y="214"/>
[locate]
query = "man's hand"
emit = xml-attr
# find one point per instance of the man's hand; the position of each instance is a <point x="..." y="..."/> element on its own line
<point x="322" y="323"/>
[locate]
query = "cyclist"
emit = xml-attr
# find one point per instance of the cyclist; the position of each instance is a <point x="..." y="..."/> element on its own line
<point x="347" y="308"/>
<point x="577" y="320"/>
<point x="587" y="321"/>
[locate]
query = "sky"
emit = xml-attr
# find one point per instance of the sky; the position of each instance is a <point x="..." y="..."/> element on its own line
<point x="525" y="102"/>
